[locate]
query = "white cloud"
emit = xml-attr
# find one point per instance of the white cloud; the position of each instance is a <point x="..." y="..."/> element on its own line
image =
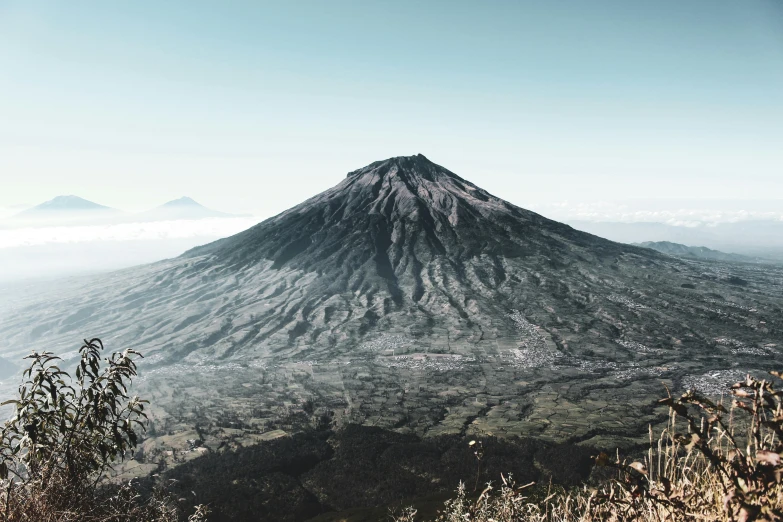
<point x="159" y="230"/>
<point x="8" y="211"/>
<point x="604" y="211"/>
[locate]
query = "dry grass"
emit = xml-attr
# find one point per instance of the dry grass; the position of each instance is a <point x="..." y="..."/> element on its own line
<point x="709" y="464"/>
<point x="58" y="500"/>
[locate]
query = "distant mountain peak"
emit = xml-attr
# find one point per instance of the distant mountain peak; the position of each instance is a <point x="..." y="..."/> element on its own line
<point x="178" y="209"/>
<point x="69" y="202"/>
<point x="184" y="201"/>
<point x="67" y="209"/>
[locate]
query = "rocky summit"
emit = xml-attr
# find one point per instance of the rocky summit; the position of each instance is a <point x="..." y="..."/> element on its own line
<point x="408" y="297"/>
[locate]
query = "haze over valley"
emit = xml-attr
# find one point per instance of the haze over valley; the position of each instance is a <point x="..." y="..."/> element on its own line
<point x="69" y="235"/>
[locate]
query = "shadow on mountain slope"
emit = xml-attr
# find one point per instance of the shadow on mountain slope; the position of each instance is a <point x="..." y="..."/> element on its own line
<point x="310" y="474"/>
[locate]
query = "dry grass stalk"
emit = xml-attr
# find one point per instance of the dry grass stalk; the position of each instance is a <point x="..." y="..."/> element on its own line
<point x="709" y="464"/>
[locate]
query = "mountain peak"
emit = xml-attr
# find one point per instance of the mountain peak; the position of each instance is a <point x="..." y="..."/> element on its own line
<point x="404" y="166"/>
<point x="69" y="202"/>
<point x="407" y="187"/>
<point x="178" y="209"/>
<point x="184" y="201"/>
<point x="67" y="210"/>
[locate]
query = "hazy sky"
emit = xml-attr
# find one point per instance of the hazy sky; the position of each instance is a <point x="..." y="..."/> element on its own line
<point x="255" y="106"/>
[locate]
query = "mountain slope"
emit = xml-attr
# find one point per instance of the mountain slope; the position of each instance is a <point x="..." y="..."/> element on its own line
<point x="407" y="297"/>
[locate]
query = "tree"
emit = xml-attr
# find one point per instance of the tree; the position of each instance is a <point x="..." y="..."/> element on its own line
<point x="66" y="434"/>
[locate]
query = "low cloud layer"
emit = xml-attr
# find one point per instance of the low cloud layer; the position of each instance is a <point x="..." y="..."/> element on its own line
<point x="667" y="212"/>
<point x="7" y="212"/>
<point x="161" y="230"/>
<point x="31" y="253"/>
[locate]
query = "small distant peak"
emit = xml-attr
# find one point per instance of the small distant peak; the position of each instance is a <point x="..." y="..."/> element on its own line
<point x="184" y="201"/>
<point x="70" y="198"/>
<point x="69" y="202"/>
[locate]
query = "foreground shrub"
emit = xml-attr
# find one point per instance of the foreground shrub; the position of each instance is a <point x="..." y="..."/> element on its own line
<point x="710" y="464"/>
<point x="66" y="434"/>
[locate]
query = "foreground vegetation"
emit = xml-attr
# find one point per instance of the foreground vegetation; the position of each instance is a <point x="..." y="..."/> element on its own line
<point x="65" y="436"/>
<point x="711" y="464"/>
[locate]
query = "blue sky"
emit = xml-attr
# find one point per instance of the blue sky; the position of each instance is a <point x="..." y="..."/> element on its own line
<point x="257" y="105"/>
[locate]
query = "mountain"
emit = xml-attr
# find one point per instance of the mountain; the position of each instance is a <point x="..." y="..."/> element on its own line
<point x="753" y="238"/>
<point x="182" y="208"/>
<point x="66" y="204"/>
<point x="66" y="210"/>
<point x="707" y="254"/>
<point x="408" y="297"/>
